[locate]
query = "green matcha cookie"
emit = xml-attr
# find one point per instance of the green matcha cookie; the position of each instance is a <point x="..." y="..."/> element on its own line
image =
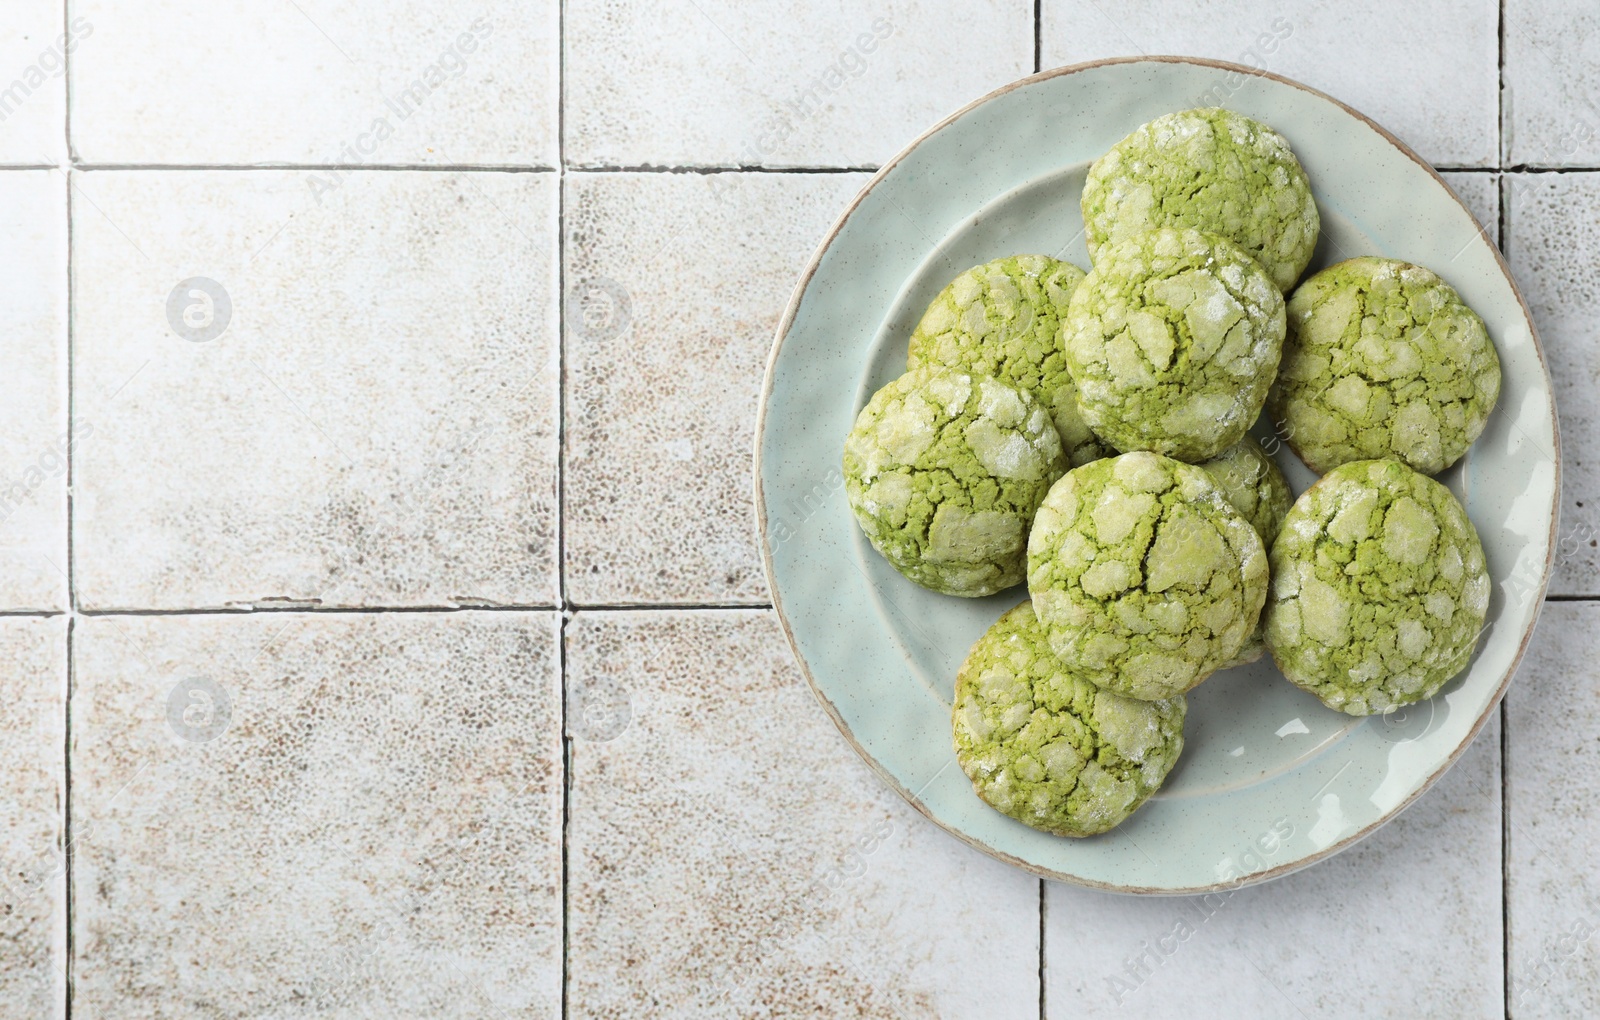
<point x="944" y="471"/>
<point x="1144" y="576"/>
<point x="1173" y="339"/>
<point x="1379" y="589"/>
<point x="1003" y="318"/>
<point x="1209" y="169"/>
<point x="1383" y="359"/>
<point x="1252" y="482"/>
<point x="1049" y="748"/>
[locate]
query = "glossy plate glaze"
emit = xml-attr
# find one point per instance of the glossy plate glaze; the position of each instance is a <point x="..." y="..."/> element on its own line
<point x="1270" y="781"/>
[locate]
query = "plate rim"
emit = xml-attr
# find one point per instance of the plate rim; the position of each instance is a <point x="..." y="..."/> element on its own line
<point x="786" y="323"/>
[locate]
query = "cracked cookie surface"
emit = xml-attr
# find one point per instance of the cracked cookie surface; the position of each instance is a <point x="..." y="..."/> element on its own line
<point x="1208" y="169"/>
<point x="1379" y="588"/>
<point x="1252" y="482"/>
<point x="943" y="472"/>
<point x="1003" y="319"/>
<point x="1383" y="359"/>
<point x="1144" y="577"/>
<point x="1047" y="747"/>
<point x="1173" y="339"/>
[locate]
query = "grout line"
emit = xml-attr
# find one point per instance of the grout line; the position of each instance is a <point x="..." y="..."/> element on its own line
<point x="1037" y="50"/>
<point x="561" y="321"/>
<point x="66" y="98"/>
<point x="742" y="168"/>
<point x="1505" y="859"/>
<point x="1041" y="941"/>
<point x="561" y="488"/>
<point x="69" y="851"/>
<point x="1503" y="228"/>
<point x="643" y="168"/>
<point x="631" y="607"/>
<point x="1503" y="192"/>
<point x="1501" y="184"/>
<point x="39" y="614"/>
<point x="1520" y="168"/>
<point x="311" y="610"/>
<point x="566" y="824"/>
<point x="445" y="168"/>
<point x="565" y="607"/>
<point x="1501" y="149"/>
<point x="500" y="168"/>
<point x="72" y="400"/>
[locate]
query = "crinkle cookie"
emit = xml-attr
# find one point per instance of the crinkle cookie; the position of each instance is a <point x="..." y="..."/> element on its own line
<point x="944" y="471"/>
<point x="1049" y="748"/>
<point x="1257" y="489"/>
<point x="1379" y="588"/>
<point x="1209" y="169"/>
<point x="1383" y="359"/>
<point x="1144" y="576"/>
<point x="1003" y="318"/>
<point x="1173" y="339"/>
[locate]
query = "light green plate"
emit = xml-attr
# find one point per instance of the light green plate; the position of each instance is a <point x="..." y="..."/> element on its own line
<point x="1270" y="781"/>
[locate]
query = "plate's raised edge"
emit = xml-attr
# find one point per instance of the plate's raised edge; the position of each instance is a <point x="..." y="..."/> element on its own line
<point x="787" y="322"/>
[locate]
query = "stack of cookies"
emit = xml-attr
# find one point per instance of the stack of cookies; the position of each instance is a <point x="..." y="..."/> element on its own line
<point x="1087" y="433"/>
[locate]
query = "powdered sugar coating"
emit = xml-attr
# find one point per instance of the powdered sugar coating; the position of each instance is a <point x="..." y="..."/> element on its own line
<point x="1145" y="578"/>
<point x="1383" y="359"/>
<point x="944" y="471"/>
<point x="1379" y="588"/>
<point x="1209" y="169"/>
<point x="1047" y="747"/>
<point x="1003" y="318"/>
<point x="1173" y="339"/>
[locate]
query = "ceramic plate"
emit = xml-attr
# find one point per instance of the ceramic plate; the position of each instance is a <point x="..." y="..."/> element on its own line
<point x="1270" y="781"/>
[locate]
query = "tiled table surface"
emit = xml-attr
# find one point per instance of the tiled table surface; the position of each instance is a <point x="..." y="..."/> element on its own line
<point x="511" y="731"/>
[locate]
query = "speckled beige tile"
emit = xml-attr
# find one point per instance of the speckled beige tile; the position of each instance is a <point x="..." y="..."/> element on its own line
<point x="805" y="83"/>
<point x="34" y="43"/>
<point x="33" y="884"/>
<point x="1406" y="923"/>
<point x="34" y="436"/>
<point x="1427" y="71"/>
<point x="317" y="82"/>
<point x="1552" y="83"/>
<point x="331" y="815"/>
<point x="730" y="856"/>
<point x="1552" y="770"/>
<point x="1554" y="223"/>
<point x="675" y="283"/>
<point x="375" y="424"/>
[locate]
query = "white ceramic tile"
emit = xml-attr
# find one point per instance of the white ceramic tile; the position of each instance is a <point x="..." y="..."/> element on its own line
<point x="731" y="856"/>
<point x="375" y="426"/>
<point x="802" y="83"/>
<point x="332" y="815"/>
<point x="1553" y="768"/>
<point x="1552" y="76"/>
<point x="33" y="885"/>
<point x="675" y="285"/>
<point x="1406" y="923"/>
<point x="34" y="434"/>
<point x="1426" y="71"/>
<point x="316" y="81"/>
<point x="1552" y="248"/>
<point x="35" y="43"/>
